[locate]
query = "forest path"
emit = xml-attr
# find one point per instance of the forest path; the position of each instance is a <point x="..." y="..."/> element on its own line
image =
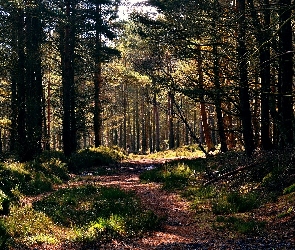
<point x="181" y="228"/>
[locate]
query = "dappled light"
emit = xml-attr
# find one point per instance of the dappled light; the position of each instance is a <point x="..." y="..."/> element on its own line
<point x="147" y="124"/>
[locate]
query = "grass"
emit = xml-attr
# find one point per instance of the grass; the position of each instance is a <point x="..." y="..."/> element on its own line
<point x="108" y="212"/>
<point x="175" y="175"/>
<point x="235" y="202"/>
<point x="239" y="225"/>
<point x="234" y="196"/>
<point x="82" y="214"/>
<point x="190" y="151"/>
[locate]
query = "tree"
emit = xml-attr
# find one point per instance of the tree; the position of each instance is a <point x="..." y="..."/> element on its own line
<point x="245" y="112"/>
<point x="285" y="81"/>
<point x="67" y="35"/>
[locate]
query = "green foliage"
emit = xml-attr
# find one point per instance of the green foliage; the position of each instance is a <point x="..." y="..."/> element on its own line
<point x="3" y="235"/>
<point x="275" y="170"/>
<point x="27" y="226"/>
<point x="93" y="157"/>
<point x="97" y="213"/>
<point x="152" y="175"/>
<point x="290" y="189"/>
<point x="235" y="202"/>
<point x="189" y="151"/>
<point x="13" y="175"/>
<point x="175" y="175"/>
<point x="32" y="177"/>
<point x="240" y="225"/>
<point x="3" y="198"/>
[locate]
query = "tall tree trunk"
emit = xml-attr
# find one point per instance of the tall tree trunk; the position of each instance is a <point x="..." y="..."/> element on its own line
<point x="204" y="117"/>
<point x="170" y="120"/>
<point x="20" y="86"/>
<point x="285" y="74"/>
<point x="33" y="78"/>
<point x="220" y="123"/>
<point x="262" y="36"/>
<point x="144" y="141"/>
<point x="156" y="124"/>
<point x="245" y="112"/>
<point x="98" y="78"/>
<point x="67" y="42"/>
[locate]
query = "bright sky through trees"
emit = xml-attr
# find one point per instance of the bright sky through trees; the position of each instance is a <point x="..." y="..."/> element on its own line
<point x="127" y="6"/>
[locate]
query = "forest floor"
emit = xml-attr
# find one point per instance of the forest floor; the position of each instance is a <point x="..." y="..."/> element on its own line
<point x="182" y="227"/>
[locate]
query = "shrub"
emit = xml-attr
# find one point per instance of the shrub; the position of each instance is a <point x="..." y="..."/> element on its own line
<point x="92" y="157"/>
<point x="235" y="202"/>
<point x="13" y="175"/>
<point x="3" y="235"/>
<point x="97" y="213"/>
<point x="240" y="225"/>
<point x="32" y="177"/>
<point x="173" y="176"/>
<point x="26" y="226"/>
<point x="152" y="175"/>
<point x="290" y="189"/>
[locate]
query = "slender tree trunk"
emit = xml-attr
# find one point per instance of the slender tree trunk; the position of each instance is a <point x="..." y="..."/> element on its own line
<point x="144" y="141"/>
<point x="262" y="36"/>
<point x="97" y="79"/>
<point x="204" y="117"/>
<point x="137" y="123"/>
<point x="245" y="112"/>
<point x="157" y="124"/>
<point x="21" y="88"/>
<point x="286" y="74"/>
<point x="67" y="41"/>
<point x="220" y="123"/>
<point x="170" y="120"/>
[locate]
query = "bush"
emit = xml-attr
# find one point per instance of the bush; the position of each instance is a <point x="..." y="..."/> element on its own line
<point x="240" y="225"/>
<point x="173" y="176"/>
<point x="290" y="189"/>
<point x="97" y="213"/>
<point x="3" y="235"/>
<point x="33" y="177"/>
<point x="92" y="157"/>
<point x="13" y="175"/>
<point x="235" y="202"/>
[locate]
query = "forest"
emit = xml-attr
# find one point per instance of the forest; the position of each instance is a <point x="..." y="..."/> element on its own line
<point x="194" y="94"/>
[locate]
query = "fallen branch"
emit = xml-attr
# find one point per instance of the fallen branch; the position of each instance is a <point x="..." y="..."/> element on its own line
<point x="234" y="172"/>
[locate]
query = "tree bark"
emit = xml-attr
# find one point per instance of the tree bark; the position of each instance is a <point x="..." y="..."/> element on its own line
<point x="245" y="112"/>
<point x="204" y="118"/>
<point x="33" y="78"/>
<point x="67" y="43"/>
<point x="262" y="36"/>
<point x="170" y="120"/>
<point x="97" y="79"/>
<point x="285" y="74"/>
<point x="217" y="99"/>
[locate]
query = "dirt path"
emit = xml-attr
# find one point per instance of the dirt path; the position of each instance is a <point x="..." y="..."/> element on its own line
<point x="179" y="225"/>
<point x="182" y="228"/>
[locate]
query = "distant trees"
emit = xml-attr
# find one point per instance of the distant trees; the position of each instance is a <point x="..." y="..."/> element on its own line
<point x="210" y="73"/>
<point x="219" y="35"/>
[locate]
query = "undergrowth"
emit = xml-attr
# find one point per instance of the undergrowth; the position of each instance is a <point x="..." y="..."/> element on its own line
<point x="86" y="159"/>
<point x="269" y="177"/>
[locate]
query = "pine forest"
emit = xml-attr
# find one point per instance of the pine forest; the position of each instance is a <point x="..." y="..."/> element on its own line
<point x="131" y="78"/>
